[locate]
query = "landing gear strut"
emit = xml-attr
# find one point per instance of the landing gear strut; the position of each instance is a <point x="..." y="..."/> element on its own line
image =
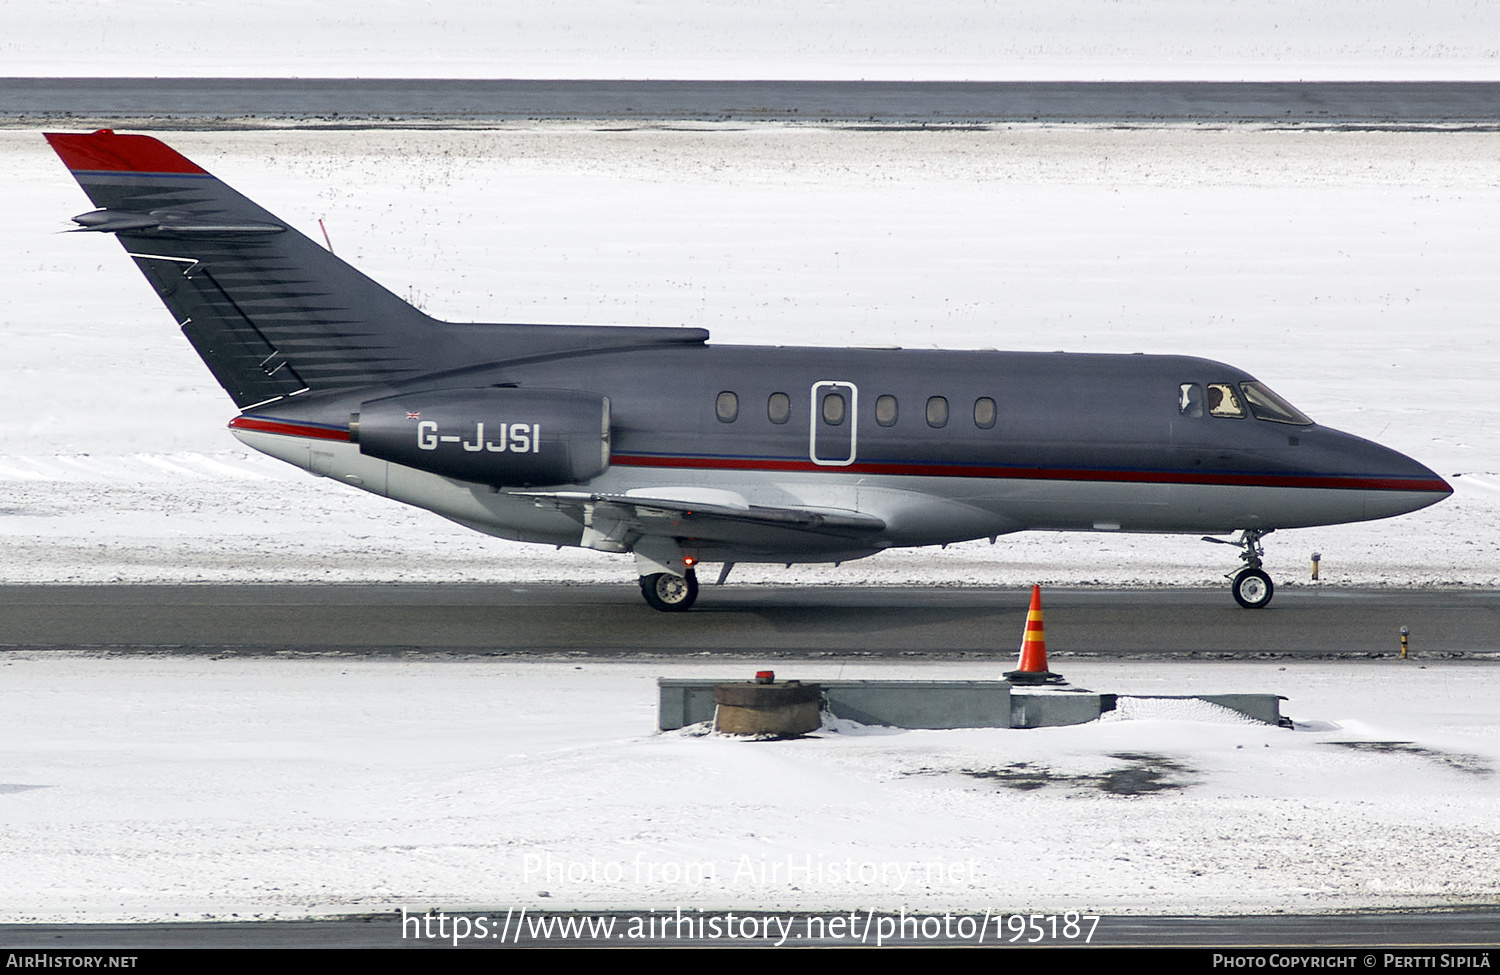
<point x="1251" y="586"/>
<point x="670" y="593"/>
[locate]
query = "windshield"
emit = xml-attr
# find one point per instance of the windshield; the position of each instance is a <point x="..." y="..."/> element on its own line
<point x="1266" y="405"/>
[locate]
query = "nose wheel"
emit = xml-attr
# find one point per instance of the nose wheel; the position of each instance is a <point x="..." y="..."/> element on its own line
<point x="670" y="593"/>
<point x="1251" y="586"/>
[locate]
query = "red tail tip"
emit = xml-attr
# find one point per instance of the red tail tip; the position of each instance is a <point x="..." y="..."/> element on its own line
<point x="103" y="151"/>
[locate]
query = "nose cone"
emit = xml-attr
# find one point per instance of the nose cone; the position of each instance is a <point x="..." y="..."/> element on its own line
<point x="1391" y="483"/>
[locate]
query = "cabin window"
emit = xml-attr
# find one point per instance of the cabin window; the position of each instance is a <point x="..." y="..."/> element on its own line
<point x="834" y="409"/>
<point x="1223" y="401"/>
<point x="1190" y="399"/>
<point x="984" y="413"/>
<point x="727" y="407"/>
<point x="779" y="408"/>
<point x="886" y="411"/>
<point x="937" y="412"/>
<point x="1266" y="405"/>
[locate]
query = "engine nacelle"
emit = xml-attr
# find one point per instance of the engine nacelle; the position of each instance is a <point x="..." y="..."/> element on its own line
<point x="500" y="436"/>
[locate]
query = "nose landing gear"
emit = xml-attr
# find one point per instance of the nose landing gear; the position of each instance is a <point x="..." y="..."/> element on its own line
<point x="1251" y="586"/>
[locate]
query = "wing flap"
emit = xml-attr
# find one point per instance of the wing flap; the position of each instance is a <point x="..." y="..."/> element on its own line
<point x="638" y="515"/>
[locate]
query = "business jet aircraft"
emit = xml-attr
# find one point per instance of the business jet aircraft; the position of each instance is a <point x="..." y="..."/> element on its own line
<point x="652" y="441"/>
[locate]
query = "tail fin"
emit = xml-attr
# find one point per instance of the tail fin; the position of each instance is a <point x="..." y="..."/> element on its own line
<point x="271" y="312"/>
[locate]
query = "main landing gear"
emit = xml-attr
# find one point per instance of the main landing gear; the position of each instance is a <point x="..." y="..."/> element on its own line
<point x="670" y="593"/>
<point x="1251" y="586"/>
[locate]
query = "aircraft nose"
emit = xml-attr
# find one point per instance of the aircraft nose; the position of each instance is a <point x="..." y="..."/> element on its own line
<point x="1408" y="474"/>
<point x="1390" y="482"/>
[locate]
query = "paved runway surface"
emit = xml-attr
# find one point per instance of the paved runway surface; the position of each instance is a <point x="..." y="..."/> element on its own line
<point x="1473" y="927"/>
<point x="155" y="102"/>
<point x="613" y="620"/>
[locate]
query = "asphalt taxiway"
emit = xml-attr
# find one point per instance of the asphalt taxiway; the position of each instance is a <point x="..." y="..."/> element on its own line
<point x="614" y="621"/>
<point x="1465" y="928"/>
<point x="207" y="102"/>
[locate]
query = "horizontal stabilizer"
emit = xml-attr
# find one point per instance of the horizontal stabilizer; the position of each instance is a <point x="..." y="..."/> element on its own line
<point x="169" y="224"/>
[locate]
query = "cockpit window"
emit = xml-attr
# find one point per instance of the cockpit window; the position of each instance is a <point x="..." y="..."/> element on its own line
<point x="1224" y="401"/>
<point x="1266" y="405"/>
<point x="1190" y="399"/>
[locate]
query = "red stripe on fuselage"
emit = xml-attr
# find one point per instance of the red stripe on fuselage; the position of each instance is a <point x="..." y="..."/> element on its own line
<point x="105" y="152"/>
<point x="290" y="429"/>
<point x="287" y="429"/>
<point x="916" y="469"/>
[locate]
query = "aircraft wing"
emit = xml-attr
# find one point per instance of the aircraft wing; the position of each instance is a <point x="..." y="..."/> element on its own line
<point x="619" y="516"/>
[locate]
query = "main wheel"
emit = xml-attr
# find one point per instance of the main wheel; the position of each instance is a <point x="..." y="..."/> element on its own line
<point x="1253" y="589"/>
<point x="669" y="593"/>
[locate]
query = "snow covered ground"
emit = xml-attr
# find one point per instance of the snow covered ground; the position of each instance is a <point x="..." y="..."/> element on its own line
<point x="139" y="787"/>
<point x="834" y="39"/>
<point x="1352" y="271"/>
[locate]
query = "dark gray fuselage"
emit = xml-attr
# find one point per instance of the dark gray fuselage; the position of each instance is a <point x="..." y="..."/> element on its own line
<point x="1078" y="442"/>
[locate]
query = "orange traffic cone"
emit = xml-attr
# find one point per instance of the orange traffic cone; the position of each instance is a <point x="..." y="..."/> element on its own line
<point x="1032" y="668"/>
